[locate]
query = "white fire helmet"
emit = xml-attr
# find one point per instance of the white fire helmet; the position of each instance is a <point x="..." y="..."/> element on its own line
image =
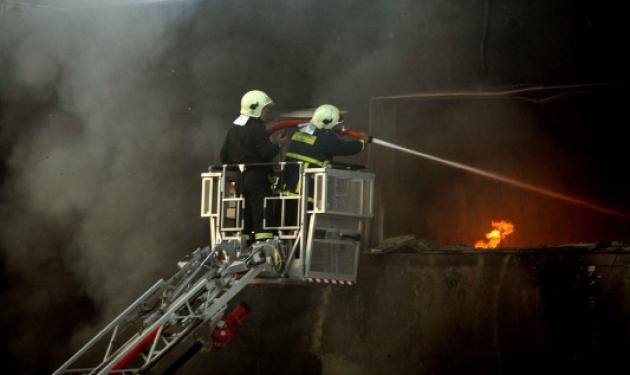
<point x="253" y="103"/>
<point x="326" y="116"/>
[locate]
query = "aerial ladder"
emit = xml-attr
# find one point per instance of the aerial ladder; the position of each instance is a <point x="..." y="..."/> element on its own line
<point x="318" y="239"/>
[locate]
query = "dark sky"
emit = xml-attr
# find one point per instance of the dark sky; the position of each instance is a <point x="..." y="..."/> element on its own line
<point x="109" y="114"/>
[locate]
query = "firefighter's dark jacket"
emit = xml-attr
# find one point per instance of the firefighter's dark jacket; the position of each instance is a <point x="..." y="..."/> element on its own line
<point x="315" y="150"/>
<point x="248" y="144"/>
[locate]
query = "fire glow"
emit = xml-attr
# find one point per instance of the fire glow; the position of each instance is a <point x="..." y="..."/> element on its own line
<point x="500" y="230"/>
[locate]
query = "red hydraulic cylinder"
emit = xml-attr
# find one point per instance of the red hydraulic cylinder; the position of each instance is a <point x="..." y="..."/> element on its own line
<point x="133" y="353"/>
<point x="229" y="326"/>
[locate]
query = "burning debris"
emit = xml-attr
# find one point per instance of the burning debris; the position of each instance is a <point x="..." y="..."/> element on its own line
<point x="495" y="236"/>
<point x="403" y="243"/>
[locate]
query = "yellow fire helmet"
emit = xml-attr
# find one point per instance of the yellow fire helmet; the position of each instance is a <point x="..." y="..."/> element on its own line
<point x="253" y="103"/>
<point x="326" y="116"/>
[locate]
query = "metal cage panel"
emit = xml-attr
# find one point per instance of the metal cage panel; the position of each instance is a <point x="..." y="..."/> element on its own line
<point x="341" y="192"/>
<point x="279" y="215"/>
<point x="210" y="194"/>
<point x="333" y="259"/>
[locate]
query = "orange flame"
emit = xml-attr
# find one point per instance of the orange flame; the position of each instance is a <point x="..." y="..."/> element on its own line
<point x="501" y="230"/>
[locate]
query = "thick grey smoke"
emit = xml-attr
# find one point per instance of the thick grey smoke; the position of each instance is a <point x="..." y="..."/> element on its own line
<point x="107" y="158"/>
<point x="105" y="178"/>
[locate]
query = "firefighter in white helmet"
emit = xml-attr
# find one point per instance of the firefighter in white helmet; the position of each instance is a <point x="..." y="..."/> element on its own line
<point x="248" y="142"/>
<point x="315" y="144"/>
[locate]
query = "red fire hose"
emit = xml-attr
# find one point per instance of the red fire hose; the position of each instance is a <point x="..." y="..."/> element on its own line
<point x="352" y="133"/>
<point x="292" y="123"/>
<point x="285" y="124"/>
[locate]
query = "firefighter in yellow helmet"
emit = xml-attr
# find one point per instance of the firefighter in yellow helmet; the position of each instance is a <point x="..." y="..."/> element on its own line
<point x="248" y="142"/>
<point x="315" y="144"/>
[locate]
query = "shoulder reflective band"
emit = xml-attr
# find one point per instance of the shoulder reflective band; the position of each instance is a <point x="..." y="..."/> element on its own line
<point x="305" y="138"/>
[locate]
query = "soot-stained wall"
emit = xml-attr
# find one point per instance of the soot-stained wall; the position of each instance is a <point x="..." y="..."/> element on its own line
<point x="442" y="312"/>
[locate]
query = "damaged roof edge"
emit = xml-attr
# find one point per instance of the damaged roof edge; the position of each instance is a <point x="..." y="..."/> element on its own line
<point x="529" y="93"/>
<point x="409" y="243"/>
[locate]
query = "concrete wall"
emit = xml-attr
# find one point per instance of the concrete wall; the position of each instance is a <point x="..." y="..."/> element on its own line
<point x="442" y="312"/>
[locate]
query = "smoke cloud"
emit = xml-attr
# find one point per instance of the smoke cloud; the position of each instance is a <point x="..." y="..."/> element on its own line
<point x="100" y="188"/>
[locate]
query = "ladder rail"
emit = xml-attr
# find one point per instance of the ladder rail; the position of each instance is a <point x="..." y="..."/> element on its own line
<point x="215" y="307"/>
<point x="112" y="325"/>
<point x="134" y="342"/>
